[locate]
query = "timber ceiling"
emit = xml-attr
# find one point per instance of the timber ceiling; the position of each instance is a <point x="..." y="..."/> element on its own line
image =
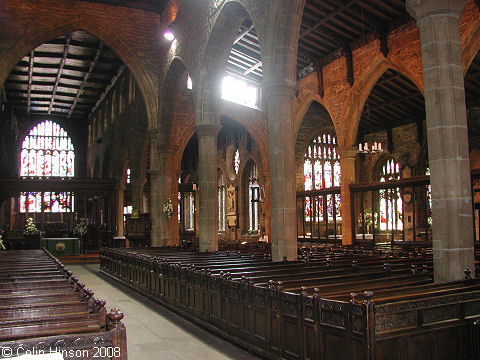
<point x="68" y="76"/>
<point x="393" y="101"/>
<point x="65" y="77"/>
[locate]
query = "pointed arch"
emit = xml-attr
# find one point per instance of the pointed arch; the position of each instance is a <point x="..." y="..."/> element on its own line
<point x="42" y="31"/>
<point x="360" y="94"/>
<point x="305" y="102"/>
<point x="208" y="91"/>
<point x="472" y="42"/>
<point x="171" y="96"/>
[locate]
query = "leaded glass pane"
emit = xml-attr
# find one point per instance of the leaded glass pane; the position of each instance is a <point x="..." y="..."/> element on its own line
<point x="390" y="207"/>
<point x="47" y="151"/>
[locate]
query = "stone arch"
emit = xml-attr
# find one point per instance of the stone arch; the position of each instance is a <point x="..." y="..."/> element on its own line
<point x="360" y="94"/>
<point x="183" y="142"/>
<point x="304" y="105"/>
<point x="251" y="125"/>
<point x="175" y="84"/>
<point x="40" y="32"/>
<point x="208" y="89"/>
<point x="472" y="43"/>
<point x="262" y="159"/>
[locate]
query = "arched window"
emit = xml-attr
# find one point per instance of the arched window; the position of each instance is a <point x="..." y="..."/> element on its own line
<point x="236" y="161"/>
<point x="221" y="202"/>
<point x="390" y="201"/>
<point x="47" y="151"/>
<point x="252" y="205"/>
<point x="321" y="169"/>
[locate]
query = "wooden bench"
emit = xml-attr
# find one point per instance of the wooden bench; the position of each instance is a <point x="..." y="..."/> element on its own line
<point x="42" y="306"/>
<point x="334" y="303"/>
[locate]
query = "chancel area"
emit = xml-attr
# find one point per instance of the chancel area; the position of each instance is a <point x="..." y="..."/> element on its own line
<point x="300" y="178"/>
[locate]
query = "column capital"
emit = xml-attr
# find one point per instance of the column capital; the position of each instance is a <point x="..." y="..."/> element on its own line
<point x="421" y="9"/>
<point x="207" y="129"/>
<point x="166" y="148"/>
<point x="347" y="152"/>
<point x="275" y="88"/>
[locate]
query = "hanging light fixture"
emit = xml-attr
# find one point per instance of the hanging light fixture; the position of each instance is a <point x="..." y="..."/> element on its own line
<point x="366" y="148"/>
<point x="257" y="191"/>
<point x="169" y="34"/>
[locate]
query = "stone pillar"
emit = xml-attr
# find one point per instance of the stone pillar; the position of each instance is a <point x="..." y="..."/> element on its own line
<point x="207" y="169"/>
<point x="438" y="21"/>
<point x="163" y="185"/>
<point x="279" y="97"/>
<point x="119" y="195"/>
<point x="137" y="193"/>
<point x="347" y="168"/>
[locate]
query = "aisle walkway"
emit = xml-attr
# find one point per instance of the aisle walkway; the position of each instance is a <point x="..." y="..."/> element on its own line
<point x="154" y="332"/>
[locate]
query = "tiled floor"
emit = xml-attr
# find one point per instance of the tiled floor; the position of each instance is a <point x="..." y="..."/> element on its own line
<point x="154" y="332"/>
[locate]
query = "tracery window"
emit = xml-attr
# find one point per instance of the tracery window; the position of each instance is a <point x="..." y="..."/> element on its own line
<point x="321" y="170"/>
<point x="253" y="214"/>
<point x="236" y="161"/>
<point x="390" y="202"/>
<point x="221" y="202"/>
<point x="47" y="151"/>
<point x="428" y="196"/>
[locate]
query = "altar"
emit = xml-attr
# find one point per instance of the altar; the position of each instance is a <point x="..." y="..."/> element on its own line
<point x="62" y="246"/>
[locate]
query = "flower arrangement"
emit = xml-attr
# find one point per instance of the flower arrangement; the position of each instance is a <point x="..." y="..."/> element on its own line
<point x="168" y="208"/>
<point x="80" y="228"/>
<point x="30" y="227"/>
<point x="367" y="215"/>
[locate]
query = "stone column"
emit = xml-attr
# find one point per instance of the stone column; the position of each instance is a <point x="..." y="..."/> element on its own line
<point x="119" y="195"/>
<point x="137" y="193"/>
<point x="163" y="185"/>
<point x="207" y="169"/>
<point x="279" y="97"/>
<point x="347" y="168"/>
<point x="438" y="21"/>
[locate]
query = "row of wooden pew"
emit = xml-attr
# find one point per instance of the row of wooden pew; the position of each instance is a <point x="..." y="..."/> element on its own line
<point x="44" y="309"/>
<point x="332" y="303"/>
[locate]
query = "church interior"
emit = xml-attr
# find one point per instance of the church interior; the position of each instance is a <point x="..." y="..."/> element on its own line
<point x="300" y="178"/>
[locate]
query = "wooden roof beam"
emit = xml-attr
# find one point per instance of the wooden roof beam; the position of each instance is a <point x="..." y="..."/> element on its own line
<point x="30" y="74"/>
<point x="87" y="75"/>
<point x="59" y="72"/>
<point x="243" y="34"/>
<point x="327" y="17"/>
<point x="251" y="68"/>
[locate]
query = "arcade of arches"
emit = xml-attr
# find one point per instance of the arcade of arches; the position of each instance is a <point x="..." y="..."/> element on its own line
<point x="104" y="120"/>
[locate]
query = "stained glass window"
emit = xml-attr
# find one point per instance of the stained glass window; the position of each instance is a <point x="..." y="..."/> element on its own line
<point x="321" y="169"/>
<point x="252" y="205"/>
<point x="47" y="151"/>
<point x="429" y="199"/>
<point x="236" y="161"/>
<point x="221" y="203"/>
<point x="390" y="202"/>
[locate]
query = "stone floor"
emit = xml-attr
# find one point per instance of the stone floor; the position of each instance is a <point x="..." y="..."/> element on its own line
<point x="153" y="332"/>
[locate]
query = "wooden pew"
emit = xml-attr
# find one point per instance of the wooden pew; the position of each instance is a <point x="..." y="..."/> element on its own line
<point x="42" y="306"/>
<point x="314" y="308"/>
